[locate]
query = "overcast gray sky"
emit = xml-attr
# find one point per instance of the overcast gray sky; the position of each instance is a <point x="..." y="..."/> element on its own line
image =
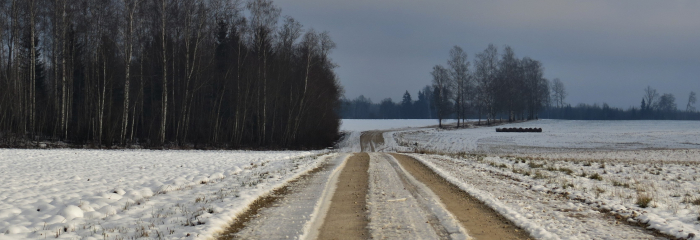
<point x="604" y="51"/>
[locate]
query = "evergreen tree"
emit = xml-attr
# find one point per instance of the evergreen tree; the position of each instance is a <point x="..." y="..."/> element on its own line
<point x="407" y="106"/>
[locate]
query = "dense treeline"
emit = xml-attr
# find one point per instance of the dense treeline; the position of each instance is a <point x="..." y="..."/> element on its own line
<point x="363" y="108"/>
<point x="653" y="107"/>
<point x="495" y="87"/>
<point x="605" y="112"/>
<point x="215" y="73"/>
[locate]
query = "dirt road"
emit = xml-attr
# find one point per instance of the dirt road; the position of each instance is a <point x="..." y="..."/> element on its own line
<point x="347" y="216"/>
<point x="480" y="221"/>
<point x="370" y="140"/>
<point x="376" y="195"/>
<point x="371" y="196"/>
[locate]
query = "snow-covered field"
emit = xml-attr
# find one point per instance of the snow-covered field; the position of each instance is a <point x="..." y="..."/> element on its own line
<point x="559" y="136"/>
<point x="93" y="194"/>
<point x="349" y="125"/>
<point x="561" y="183"/>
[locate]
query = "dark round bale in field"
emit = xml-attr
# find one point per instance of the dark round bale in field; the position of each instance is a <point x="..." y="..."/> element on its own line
<point x="519" y="129"/>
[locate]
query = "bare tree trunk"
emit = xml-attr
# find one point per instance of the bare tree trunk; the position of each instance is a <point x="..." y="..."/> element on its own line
<point x="190" y="66"/>
<point x="238" y="122"/>
<point x="138" y="98"/>
<point x="64" y="88"/>
<point x="264" y="118"/>
<point x="128" y="51"/>
<point x="102" y="99"/>
<point x="165" y="74"/>
<point x="56" y="52"/>
<point x="303" y="95"/>
<point x="32" y="68"/>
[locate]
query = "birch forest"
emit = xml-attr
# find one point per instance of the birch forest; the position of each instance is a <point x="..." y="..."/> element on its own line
<point x="164" y="73"/>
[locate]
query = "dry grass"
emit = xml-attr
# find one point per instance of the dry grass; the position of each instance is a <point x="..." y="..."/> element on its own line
<point x="596" y="176"/>
<point x="643" y="200"/>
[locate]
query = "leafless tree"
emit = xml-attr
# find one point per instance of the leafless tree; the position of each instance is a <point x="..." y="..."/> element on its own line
<point x="650" y="95"/>
<point x="667" y="103"/>
<point x="691" y="102"/>
<point x="509" y="83"/>
<point x="441" y="92"/>
<point x="460" y="81"/>
<point x="128" y="17"/>
<point x="164" y="72"/>
<point x="558" y="92"/>
<point x="486" y="71"/>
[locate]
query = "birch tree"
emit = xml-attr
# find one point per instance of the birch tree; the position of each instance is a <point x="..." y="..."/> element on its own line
<point x="441" y="92"/>
<point x="486" y="70"/>
<point x="691" y="102"/>
<point x="651" y="96"/>
<point x="558" y="92"/>
<point x="460" y="84"/>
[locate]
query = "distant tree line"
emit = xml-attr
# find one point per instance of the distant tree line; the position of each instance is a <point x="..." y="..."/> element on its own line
<point x="364" y="108"/>
<point x="505" y="87"/>
<point x="496" y="87"/>
<point x="216" y="73"/>
<point x="653" y="107"/>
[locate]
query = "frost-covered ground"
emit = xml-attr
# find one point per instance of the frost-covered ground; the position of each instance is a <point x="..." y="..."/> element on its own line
<point x="349" y="125"/>
<point x="559" y="136"/>
<point x="576" y="177"/>
<point x="93" y="194"/>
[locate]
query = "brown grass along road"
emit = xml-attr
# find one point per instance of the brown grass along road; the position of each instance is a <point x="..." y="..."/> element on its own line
<point x="480" y="221"/>
<point x="347" y="215"/>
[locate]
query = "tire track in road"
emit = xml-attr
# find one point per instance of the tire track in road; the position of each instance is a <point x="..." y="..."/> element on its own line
<point x="480" y="221"/>
<point x="370" y="140"/>
<point x="289" y="211"/>
<point x="347" y="215"/>
<point x="403" y="208"/>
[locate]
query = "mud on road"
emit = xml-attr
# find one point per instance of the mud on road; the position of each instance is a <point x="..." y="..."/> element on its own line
<point x="480" y="221"/>
<point x="347" y="216"/>
<point x="371" y="140"/>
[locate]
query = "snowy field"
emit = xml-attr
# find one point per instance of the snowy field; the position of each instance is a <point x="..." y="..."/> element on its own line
<point x="559" y="136"/>
<point x="572" y="199"/>
<point x="349" y="125"/>
<point x="567" y="181"/>
<point x="93" y="194"/>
